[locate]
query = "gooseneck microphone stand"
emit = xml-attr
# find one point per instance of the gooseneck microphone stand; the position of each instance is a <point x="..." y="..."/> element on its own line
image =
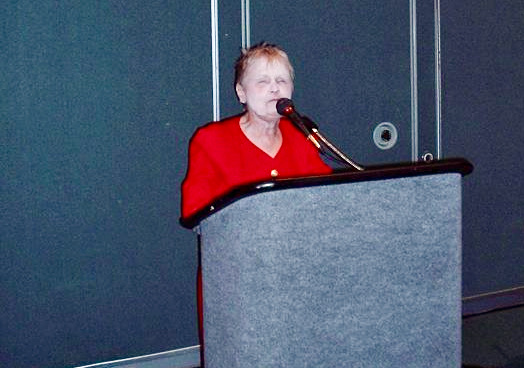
<point x="286" y="108"/>
<point x="334" y="149"/>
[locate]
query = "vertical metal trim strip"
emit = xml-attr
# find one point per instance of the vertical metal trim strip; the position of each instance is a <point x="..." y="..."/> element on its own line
<point x="215" y="60"/>
<point x="246" y="26"/>
<point x="414" y="79"/>
<point x="438" y="82"/>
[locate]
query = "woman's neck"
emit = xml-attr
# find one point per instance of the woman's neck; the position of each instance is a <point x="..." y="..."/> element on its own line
<point x="265" y="135"/>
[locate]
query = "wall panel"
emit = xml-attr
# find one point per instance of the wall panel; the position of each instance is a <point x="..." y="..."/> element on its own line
<point x="98" y="101"/>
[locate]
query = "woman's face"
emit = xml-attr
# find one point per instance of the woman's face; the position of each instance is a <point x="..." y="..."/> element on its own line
<point x="264" y="82"/>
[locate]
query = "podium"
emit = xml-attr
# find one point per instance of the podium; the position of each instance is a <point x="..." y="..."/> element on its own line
<point x="359" y="269"/>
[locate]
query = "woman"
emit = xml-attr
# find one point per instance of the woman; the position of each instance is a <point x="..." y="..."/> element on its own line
<point x="255" y="146"/>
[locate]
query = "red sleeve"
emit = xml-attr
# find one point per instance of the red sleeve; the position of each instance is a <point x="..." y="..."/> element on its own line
<point x="202" y="182"/>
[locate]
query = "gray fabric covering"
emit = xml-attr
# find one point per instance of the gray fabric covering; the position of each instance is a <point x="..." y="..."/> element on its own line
<point x="350" y="275"/>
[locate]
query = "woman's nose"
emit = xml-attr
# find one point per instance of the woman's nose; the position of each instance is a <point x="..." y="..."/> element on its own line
<point x="274" y="87"/>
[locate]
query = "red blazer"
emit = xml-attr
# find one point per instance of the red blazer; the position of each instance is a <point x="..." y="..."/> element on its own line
<point x="221" y="157"/>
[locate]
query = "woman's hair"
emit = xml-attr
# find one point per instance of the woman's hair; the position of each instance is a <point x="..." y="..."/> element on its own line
<point x="263" y="49"/>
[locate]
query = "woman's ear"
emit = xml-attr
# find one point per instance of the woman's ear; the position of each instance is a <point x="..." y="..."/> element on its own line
<point x="240" y="93"/>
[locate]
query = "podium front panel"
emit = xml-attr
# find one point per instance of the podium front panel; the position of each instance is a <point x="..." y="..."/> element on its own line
<point x="363" y="274"/>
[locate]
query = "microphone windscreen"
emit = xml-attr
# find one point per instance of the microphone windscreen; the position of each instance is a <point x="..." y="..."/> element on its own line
<point x="285" y="106"/>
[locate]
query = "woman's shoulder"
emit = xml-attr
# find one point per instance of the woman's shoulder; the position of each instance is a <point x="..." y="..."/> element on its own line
<point x="217" y="129"/>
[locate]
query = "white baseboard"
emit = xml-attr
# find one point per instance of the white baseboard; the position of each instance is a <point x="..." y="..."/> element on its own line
<point x="180" y="358"/>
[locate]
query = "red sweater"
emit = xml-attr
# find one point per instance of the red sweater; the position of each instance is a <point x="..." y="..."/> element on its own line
<point x="222" y="157"/>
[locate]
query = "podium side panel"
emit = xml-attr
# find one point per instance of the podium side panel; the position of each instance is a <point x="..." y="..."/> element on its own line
<point x="359" y="275"/>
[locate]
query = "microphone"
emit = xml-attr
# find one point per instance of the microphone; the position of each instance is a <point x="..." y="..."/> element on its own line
<point x="286" y="108"/>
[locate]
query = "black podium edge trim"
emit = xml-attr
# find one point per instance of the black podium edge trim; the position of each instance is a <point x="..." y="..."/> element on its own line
<point x="371" y="173"/>
<point x="496" y="301"/>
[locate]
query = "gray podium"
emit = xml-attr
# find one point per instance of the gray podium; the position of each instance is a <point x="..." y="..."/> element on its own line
<point x="347" y="270"/>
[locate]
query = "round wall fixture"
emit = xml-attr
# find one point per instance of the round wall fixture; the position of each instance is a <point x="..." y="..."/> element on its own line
<point x="427" y="157"/>
<point x="385" y="135"/>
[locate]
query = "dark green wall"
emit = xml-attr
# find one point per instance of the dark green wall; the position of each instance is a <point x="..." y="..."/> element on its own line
<point x="98" y="100"/>
<point x="483" y="83"/>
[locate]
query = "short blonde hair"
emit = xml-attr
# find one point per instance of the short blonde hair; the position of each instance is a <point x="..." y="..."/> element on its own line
<point x="263" y="49"/>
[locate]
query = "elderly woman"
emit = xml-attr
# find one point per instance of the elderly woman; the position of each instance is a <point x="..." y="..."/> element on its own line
<point x="256" y="145"/>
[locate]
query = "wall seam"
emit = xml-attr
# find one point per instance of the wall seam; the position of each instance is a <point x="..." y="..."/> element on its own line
<point x="215" y="49"/>
<point x="246" y="23"/>
<point x="438" y="83"/>
<point x="414" y="79"/>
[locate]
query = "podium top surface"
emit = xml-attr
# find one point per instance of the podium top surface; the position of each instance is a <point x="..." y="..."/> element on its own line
<point x="379" y="172"/>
